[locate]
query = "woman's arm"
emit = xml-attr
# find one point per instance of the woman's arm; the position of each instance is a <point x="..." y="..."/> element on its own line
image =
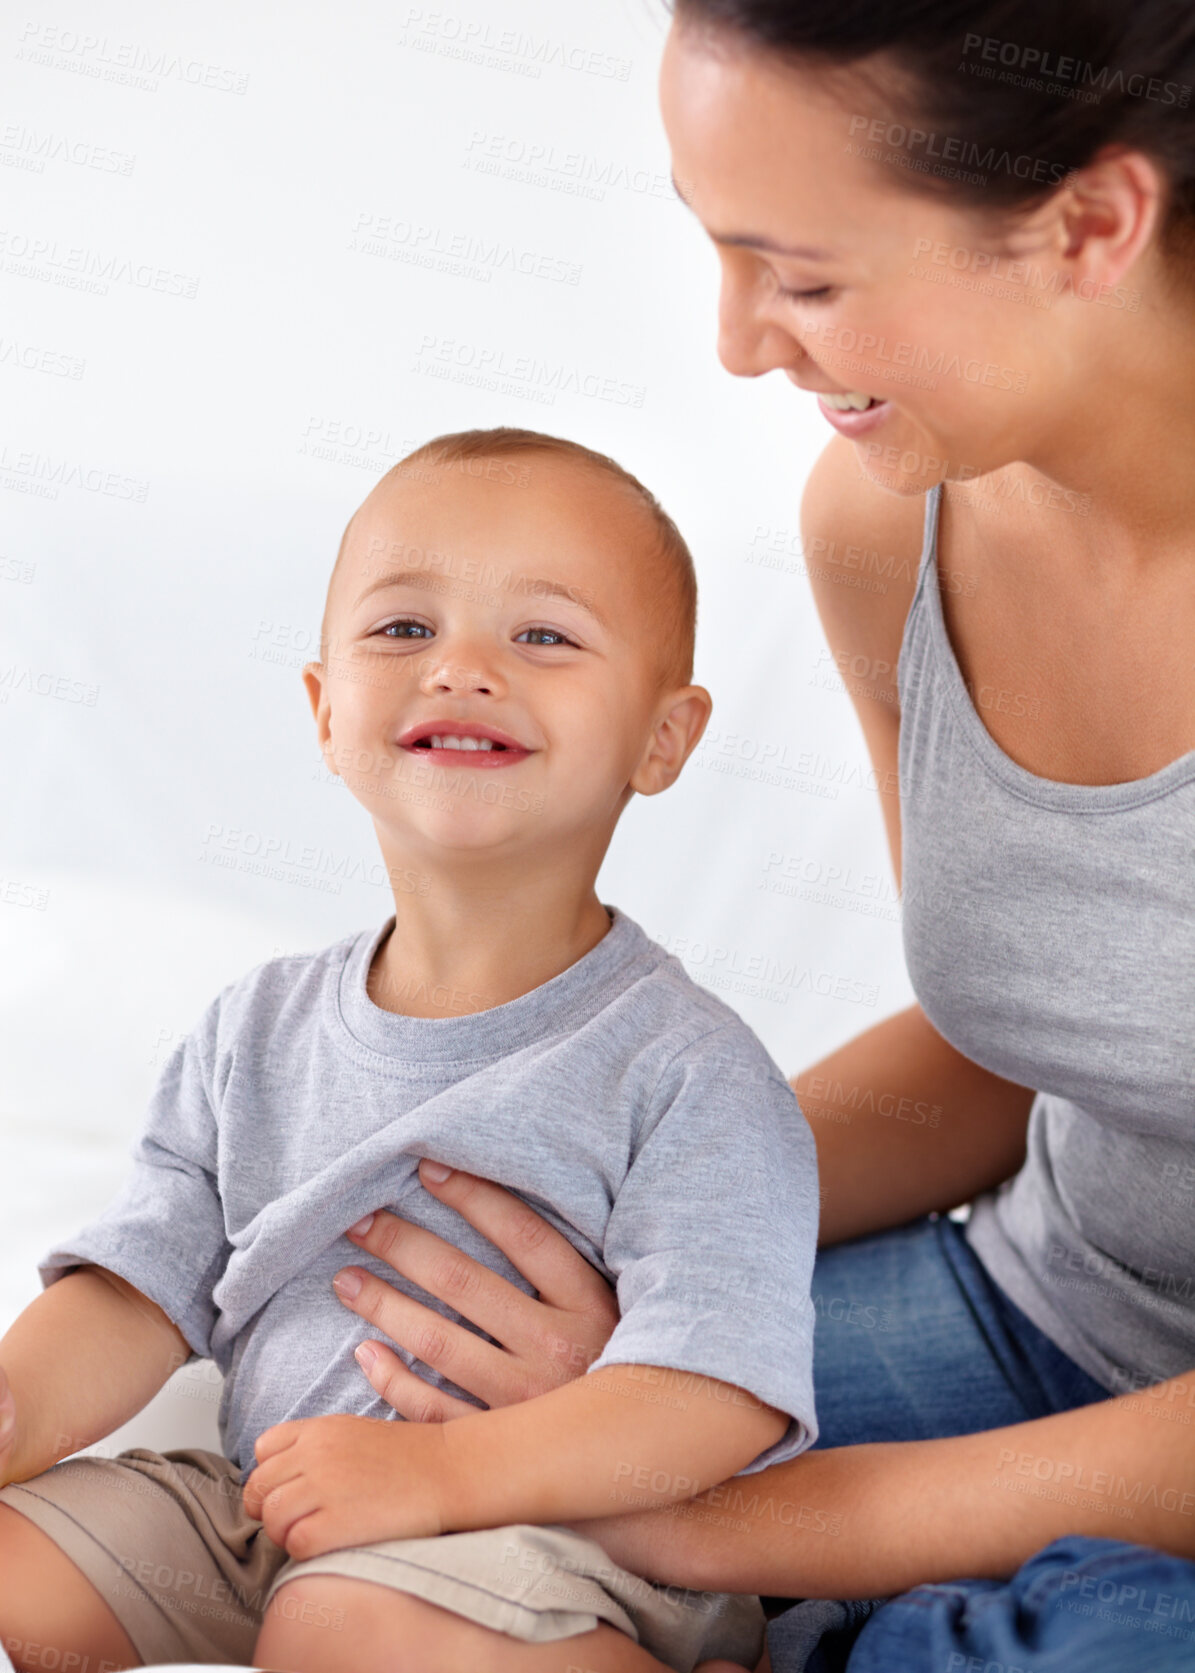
<point x="859" y="1521"/>
<point x="845" y="1522"/>
<point x="904" y="1123"/>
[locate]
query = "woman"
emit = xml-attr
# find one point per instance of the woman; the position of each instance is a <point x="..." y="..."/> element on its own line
<point x="1002" y="201"/>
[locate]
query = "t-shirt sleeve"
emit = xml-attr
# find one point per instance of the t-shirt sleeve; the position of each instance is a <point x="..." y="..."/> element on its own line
<point x="713" y="1234"/>
<point x="164" y="1230"/>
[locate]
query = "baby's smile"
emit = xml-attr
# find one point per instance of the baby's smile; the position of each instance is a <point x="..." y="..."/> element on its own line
<point x="458" y="743"/>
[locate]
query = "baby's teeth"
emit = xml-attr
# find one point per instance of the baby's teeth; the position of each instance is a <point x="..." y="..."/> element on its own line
<point x="452" y="742"/>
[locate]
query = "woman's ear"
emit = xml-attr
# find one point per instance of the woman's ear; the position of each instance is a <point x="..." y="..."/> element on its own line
<point x="1107" y="215"/>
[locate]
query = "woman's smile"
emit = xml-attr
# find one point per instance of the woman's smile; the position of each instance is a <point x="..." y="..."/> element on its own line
<point x="860" y="422"/>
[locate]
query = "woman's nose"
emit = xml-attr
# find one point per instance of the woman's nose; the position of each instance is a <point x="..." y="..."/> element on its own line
<point x="749" y="343"/>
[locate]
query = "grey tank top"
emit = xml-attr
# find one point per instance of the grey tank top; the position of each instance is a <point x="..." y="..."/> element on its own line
<point x="1049" y="932"/>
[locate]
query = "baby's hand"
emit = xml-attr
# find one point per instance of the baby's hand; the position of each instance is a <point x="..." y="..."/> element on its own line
<point x="324" y="1482"/>
<point x="8" y="1429"/>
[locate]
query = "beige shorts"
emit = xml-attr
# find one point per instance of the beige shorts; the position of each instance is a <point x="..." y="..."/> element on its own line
<point x="164" y="1538"/>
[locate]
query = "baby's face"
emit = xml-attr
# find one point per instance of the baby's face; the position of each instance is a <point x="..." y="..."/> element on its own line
<point x="491" y="678"/>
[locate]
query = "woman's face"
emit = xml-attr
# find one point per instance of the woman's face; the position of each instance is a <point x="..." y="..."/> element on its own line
<point x="972" y="352"/>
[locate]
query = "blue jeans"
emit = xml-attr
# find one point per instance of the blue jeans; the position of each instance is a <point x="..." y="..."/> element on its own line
<point x="914" y="1342"/>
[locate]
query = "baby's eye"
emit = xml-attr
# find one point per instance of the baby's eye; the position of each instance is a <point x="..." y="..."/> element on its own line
<point x="419" y="627"/>
<point x="546" y="636"/>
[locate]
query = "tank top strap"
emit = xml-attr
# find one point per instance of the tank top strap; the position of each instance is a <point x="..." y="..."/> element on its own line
<point x="915" y="643"/>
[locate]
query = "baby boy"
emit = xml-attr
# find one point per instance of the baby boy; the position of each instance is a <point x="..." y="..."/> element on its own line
<point x="506" y="659"/>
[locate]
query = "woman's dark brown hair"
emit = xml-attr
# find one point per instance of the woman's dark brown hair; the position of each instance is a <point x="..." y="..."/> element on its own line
<point x="995" y="104"/>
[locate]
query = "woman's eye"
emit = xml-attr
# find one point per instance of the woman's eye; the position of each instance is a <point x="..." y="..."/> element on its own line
<point x="805" y="295"/>
<point x="546" y="636"/>
<point x="387" y="630"/>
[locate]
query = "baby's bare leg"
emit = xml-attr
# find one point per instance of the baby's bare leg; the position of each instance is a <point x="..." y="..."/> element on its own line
<point x="326" y="1623"/>
<point x="50" y="1613"/>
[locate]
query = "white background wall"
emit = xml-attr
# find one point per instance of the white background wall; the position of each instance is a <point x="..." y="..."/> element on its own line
<point x="251" y="255"/>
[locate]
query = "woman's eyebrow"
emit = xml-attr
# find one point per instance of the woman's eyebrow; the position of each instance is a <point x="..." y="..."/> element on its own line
<point x="803" y="252"/>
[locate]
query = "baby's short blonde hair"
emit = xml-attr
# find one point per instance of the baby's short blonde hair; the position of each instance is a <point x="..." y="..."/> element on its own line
<point x="673" y="608"/>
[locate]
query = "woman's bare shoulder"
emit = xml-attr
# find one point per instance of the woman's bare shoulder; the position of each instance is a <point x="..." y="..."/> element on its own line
<point x="862" y="545"/>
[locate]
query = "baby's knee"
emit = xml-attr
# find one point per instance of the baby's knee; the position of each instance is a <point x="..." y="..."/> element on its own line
<point x="51" y="1616"/>
<point x="302" y="1616"/>
<point x="323" y="1623"/>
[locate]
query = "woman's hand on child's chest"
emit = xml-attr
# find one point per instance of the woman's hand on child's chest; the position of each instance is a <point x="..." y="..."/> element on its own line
<point x="538" y="1342"/>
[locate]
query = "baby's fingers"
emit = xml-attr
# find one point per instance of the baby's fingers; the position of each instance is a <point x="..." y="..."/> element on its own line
<point x="399" y="1386"/>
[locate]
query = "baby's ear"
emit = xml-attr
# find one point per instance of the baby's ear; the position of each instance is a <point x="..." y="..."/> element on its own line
<point x="314" y="674"/>
<point x="313" y="679"/>
<point x="676" y="734"/>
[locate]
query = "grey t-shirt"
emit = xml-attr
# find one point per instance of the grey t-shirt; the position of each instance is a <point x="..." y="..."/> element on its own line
<point x="632" y="1108"/>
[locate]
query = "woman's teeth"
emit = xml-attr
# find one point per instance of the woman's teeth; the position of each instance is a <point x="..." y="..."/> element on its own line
<point x="852" y="401"/>
<point x="451" y="742"/>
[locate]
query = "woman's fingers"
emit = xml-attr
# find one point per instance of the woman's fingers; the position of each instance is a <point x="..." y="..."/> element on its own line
<point x="410" y="1396"/>
<point x="441" y="1269"/>
<point x="546" y="1259"/>
<point x="544" y="1341"/>
<point x="456" y="1353"/>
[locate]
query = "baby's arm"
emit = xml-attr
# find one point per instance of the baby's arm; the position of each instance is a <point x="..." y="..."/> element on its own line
<point x="623" y="1437"/>
<point x="86" y="1354"/>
